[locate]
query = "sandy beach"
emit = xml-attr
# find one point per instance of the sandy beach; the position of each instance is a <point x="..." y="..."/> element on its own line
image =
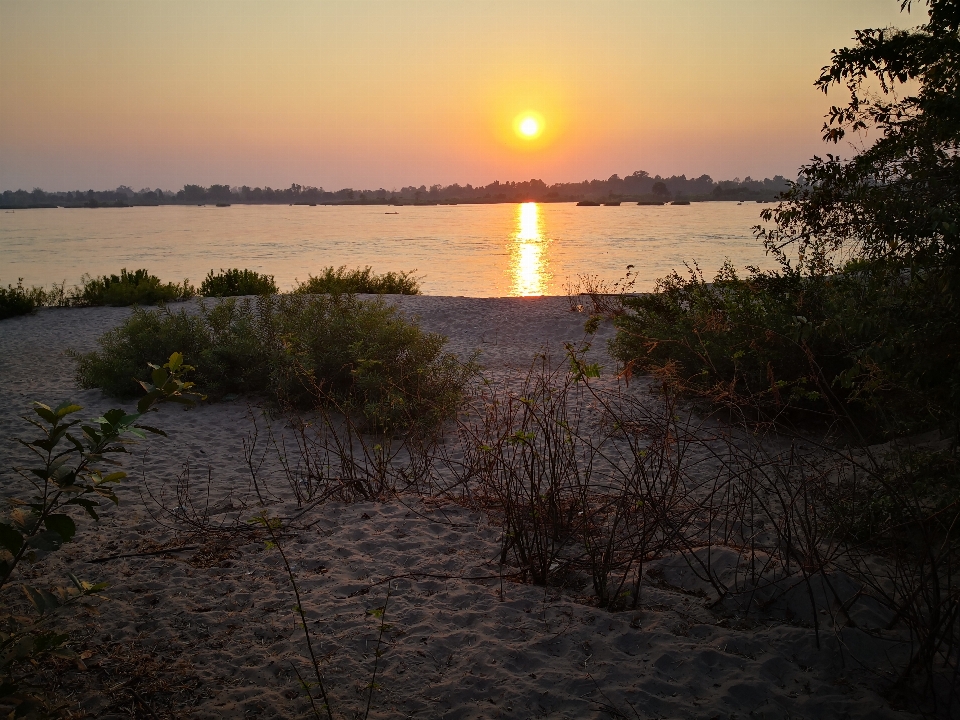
<point x="209" y="630"/>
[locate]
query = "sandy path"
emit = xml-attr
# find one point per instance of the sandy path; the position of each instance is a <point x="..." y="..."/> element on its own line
<point x="213" y="633"/>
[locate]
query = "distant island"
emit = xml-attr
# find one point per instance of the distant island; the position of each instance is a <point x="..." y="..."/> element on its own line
<point x="639" y="186"/>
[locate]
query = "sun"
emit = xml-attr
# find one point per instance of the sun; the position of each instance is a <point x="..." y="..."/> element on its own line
<point x="528" y="125"/>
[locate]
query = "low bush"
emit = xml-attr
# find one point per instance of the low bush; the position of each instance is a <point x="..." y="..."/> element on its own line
<point x="136" y="288"/>
<point x="233" y="282"/>
<point x="866" y="337"/>
<point x="302" y="349"/>
<point x="341" y="280"/>
<point x="19" y="300"/>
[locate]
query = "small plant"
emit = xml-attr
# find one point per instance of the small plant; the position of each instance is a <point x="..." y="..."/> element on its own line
<point x="234" y="282"/>
<point x="606" y="299"/>
<point x="136" y="288"/>
<point x="340" y="280"/>
<point x="18" y="300"/>
<point x="73" y="473"/>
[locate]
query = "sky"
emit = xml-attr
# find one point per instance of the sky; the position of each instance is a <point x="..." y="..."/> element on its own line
<point x="390" y="93"/>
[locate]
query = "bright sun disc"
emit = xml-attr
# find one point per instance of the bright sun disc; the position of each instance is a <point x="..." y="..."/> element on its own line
<point x="528" y="125"/>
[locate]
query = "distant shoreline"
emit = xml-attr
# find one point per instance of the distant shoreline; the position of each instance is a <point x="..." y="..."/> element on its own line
<point x="364" y="203"/>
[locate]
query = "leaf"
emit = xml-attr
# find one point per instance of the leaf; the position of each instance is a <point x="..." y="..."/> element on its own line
<point x="66" y="408"/>
<point x="87" y="505"/>
<point x="85" y="587"/>
<point x="46" y="413"/>
<point x="63" y="525"/>
<point x="148" y="400"/>
<point x="41" y="599"/>
<point x="175" y="361"/>
<point x="151" y="429"/>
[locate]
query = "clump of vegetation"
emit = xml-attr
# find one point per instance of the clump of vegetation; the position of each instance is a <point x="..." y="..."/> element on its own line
<point x="738" y="339"/>
<point x="18" y="300"/>
<point x="234" y="282"/>
<point x="136" y="288"/>
<point x="341" y="280"/>
<point x="302" y="349"/>
<point x="76" y="469"/>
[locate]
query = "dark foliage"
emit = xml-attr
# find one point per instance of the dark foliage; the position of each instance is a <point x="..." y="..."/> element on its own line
<point x="234" y="282"/>
<point x="341" y="280"/>
<point x="136" y="288"/>
<point x="18" y="300"/>
<point x="302" y="349"/>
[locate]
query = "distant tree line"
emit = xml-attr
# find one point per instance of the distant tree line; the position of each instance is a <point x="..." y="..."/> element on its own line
<point x="639" y="186"/>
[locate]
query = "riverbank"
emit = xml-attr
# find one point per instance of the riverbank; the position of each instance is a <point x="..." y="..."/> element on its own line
<point x="205" y="626"/>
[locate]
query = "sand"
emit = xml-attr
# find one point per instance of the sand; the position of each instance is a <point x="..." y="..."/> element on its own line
<point x="212" y="632"/>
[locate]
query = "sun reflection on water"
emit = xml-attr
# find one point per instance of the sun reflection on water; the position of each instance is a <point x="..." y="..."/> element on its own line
<point x="528" y="262"/>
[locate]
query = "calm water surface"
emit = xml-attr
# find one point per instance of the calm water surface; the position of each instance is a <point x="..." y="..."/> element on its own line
<point x="472" y="250"/>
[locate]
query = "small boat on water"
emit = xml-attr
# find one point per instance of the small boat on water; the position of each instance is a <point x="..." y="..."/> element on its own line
<point x="391" y="213"/>
<point x="588" y="203"/>
<point x="680" y="202"/>
<point x="223" y="204"/>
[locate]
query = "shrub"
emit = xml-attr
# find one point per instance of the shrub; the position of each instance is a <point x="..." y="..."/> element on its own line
<point x="733" y="337"/>
<point x="234" y="282"/>
<point x="863" y="336"/>
<point x="341" y="280"/>
<point x="136" y="288"/>
<point x="19" y="300"/>
<point x="302" y="349"/>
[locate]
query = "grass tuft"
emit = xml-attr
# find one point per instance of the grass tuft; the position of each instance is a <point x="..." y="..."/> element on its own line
<point x="340" y="280"/>
<point x="234" y="282"/>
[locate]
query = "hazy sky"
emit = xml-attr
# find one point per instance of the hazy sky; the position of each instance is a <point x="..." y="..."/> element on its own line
<point x="386" y="93"/>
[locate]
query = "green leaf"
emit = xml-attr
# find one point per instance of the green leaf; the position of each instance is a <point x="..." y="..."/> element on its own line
<point x="66" y="408"/>
<point x="63" y="525"/>
<point x="46" y="413"/>
<point x="175" y="361"/>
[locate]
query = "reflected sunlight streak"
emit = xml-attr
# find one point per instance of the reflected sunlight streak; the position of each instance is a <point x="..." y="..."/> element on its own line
<point x="528" y="262"/>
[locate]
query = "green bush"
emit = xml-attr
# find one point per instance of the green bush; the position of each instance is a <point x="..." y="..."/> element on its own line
<point x="19" y="300"/>
<point x="230" y="283"/>
<point x="341" y="280"/>
<point x="136" y="288"/>
<point x="865" y="336"/>
<point x="733" y="337"/>
<point x="302" y="349"/>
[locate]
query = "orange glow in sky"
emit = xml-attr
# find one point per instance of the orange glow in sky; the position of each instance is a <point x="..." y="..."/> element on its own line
<point x="391" y="93"/>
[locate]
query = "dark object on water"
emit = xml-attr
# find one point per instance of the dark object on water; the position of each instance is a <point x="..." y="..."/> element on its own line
<point x="391" y="213"/>
<point x="680" y="202"/>
<point x="612" y="203"/>
<point x="588" y="203"/>
<point x="223" y="204"/>
<point x="650" y="202"/>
